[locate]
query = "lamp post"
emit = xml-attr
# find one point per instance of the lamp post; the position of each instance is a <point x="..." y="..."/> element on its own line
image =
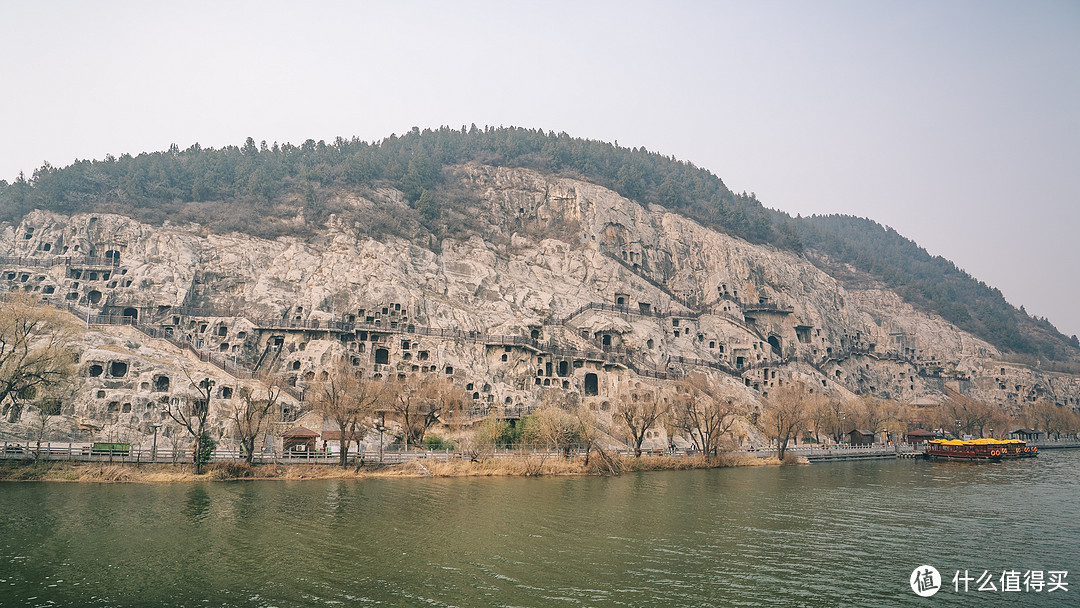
<point x="381" y="426"/>
<point x="153" y="450"/>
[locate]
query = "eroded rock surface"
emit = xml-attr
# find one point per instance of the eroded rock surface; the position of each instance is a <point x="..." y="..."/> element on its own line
<point x="564" y="284"/>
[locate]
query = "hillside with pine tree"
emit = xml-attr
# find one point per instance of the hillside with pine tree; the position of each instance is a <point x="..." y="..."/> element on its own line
<point x="283" y="189"/>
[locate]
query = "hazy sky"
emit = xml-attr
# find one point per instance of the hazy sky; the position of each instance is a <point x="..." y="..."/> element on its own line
<point x="955" y="122"/>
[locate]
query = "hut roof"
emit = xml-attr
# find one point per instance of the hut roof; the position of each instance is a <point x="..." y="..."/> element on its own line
<point x="335" y="435"/>
<point x="922" y="433"/>
<point x="300" y="432"/>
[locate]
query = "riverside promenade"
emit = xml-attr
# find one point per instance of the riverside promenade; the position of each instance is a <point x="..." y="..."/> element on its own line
<point x="85" y="452"/>
<point x="843" y="451"/>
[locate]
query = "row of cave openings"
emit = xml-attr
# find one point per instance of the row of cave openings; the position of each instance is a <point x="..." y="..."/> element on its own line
<point x="544" y="376"/>
<point x="393" y="311"/>
<point x="94" y="296"/>
<point x="62" y="249"/>
<point x="623" y="300"/>
<point x="119" y="369"/>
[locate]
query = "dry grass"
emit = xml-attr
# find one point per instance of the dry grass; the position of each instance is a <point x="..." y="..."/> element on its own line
<point x="664" y="463"/>
<point x="93" y="471"/>
<point x="231" y="470"/>
<point x="526" y="465"/>
<point x="516" y="466"/>
<point x="790" y="459"/>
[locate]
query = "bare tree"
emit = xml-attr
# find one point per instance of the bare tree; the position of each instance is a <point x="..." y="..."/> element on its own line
<point x="479" y="443"/>
<point x="417" y="403"/>
<point x="250" y="411"/>
<point x="35" y="350"/>
<point x="569" y="424"/>
<point x="640" y="408"/>
<point x="875" y="414"/>
<point x="821" y="419"/>
<point x="47" y="411"/>
<point x="175" y="435"/>
<point x="702" y="413"/>
<point x="349" y="401"/>
<point x="1051" y="418"/>
<point x="563" y="424"/>
<point x="835" y="414"/>
<point x="1070" y="421"/>
<point x="591" y="430"/>
<point x="555" y="427"/>
<point x="965" y="415"/>
<point x="191" y="412"/>
<point x="787" y="408"/>
<point x="896" y="419"/>
<point x="135" y="438"/>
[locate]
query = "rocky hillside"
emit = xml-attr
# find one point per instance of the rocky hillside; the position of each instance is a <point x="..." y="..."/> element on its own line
<point x="556" y="283"/>
<point x="287" y="190"/>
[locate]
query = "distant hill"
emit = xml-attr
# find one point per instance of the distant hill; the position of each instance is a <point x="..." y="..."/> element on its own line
<point x="285" y="189"/>
<point x="934" y="283"/>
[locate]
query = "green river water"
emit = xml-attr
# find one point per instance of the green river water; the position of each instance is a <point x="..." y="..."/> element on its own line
<point x="837" y="534"/>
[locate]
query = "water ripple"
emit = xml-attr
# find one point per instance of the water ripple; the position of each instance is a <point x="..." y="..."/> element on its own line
<point x="824" y="535"/>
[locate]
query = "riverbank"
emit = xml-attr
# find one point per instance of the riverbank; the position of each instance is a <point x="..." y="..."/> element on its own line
<point x="654" y="540"/>
<point x="513" y="466"/>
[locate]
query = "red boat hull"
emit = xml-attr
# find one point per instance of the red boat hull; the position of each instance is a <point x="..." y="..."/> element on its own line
<point x="958" y="455"/>
<point x="981" y="452"/>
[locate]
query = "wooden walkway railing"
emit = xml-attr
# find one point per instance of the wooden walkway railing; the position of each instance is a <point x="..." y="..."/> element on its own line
<point x="84" y="452"/>
<point x="50" y="261"/>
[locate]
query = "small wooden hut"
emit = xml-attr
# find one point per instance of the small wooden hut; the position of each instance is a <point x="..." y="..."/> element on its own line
<point x="299" y="439"/>
<point x="860" y="437"/>
<point x="918" y="436"/>
<point x="1026" y="434"/>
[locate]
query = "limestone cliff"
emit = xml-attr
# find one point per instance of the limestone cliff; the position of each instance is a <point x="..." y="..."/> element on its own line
<point x="561" y="283"/>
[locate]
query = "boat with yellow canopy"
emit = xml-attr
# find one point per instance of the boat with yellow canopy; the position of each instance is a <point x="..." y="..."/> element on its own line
<point x="979" y="449"/>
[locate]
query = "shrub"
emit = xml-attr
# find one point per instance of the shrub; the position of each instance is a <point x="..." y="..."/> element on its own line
<point x="206" y="450"/>
<point x="230" y="470"/>
<point x="434" y="442"/>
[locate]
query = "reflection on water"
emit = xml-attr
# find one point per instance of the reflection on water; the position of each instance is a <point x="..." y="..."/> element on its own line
<point x="197" y="505"/>
<point x="823" y="535"/>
